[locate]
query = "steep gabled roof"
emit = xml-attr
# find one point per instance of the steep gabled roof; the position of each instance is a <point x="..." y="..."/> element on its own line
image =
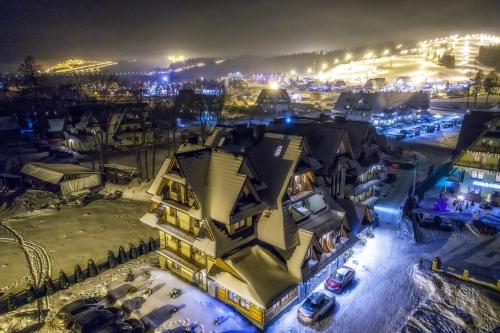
<point x="53" y="173"/>
<point x="224" y="185"/>
<point x="273" y="96"/>
<point x="260" y="286"/>
<point x="473" y="125"/>
<point x="355" y="213"/>
<point x="380" y="102"/>
<point x="323" y="140"/>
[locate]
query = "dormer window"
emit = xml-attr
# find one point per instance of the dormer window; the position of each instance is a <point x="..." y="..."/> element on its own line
<point x="278" y="150"/>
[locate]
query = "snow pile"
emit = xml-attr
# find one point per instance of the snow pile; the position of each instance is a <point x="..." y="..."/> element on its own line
<point x="32" y="201"/>
<point x="405" y="230"/>
<point x="451" y="306"/>
<point x="132" y="191"/>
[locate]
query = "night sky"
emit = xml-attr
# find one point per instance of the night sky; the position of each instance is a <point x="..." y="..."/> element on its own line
<point x="150" y="29"/>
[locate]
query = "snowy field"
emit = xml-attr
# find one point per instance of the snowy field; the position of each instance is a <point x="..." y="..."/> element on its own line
<point x="71" y="236"/>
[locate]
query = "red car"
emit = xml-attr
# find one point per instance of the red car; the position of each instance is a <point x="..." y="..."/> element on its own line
<point x="341" y="278"/>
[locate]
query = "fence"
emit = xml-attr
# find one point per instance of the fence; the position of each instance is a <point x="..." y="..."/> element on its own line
<point x="21" y="297"/>
<point x="464" y="276"/>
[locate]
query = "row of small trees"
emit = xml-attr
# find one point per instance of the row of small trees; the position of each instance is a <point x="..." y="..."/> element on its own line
<point x="79" y="275"/>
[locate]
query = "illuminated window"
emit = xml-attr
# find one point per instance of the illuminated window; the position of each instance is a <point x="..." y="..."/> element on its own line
<point x="176" y="267"/>
<point x="284" y="298"/>
<point x="244" y="304"/>
<point x="232" y="296"/>
<point x="278" y="150"/>
<point x="171" y="211"/>
<point x="239" y="225"/>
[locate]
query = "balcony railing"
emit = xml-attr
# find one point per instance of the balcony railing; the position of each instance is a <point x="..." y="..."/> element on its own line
<point x="478" y="165"/>
<point x="180" y="259"/>
<point x="177" y="231"/>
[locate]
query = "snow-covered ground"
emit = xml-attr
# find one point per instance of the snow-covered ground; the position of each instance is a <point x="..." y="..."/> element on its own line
<point x="196" y="309"/>
<point x="71" y="236"/>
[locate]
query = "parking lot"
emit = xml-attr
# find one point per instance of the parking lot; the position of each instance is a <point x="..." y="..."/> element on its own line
<point x="423" y="126"/>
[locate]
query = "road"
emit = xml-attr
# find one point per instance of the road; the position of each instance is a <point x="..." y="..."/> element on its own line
<point x="383" y="293"/>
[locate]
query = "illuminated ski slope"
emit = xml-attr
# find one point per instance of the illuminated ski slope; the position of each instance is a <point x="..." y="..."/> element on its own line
<point x="418" y="63"/>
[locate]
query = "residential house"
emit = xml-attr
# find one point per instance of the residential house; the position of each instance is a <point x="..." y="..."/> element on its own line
<point x="67" y="179"/>
<point x="275" y="100"/>
<point x="246" y="199"/>
<point x="381" y="108"/>
<point x="348" y="151"/>
<point x="479" y="165"/>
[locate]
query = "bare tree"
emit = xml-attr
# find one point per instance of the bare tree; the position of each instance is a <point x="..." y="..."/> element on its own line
<point x="223" y="107"/>
<point x="477" y="85"/>
<point x="490" y="83"/>
<point x="29" y="72"/>
<point x="103" y="113"/>
<point x="204" y="116"/>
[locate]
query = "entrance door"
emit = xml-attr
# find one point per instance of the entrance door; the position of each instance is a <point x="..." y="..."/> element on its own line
<point x="212" y="287"/>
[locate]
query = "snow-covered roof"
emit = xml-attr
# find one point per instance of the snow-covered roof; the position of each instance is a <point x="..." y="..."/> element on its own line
<point x="55" y="125"/>
<point x="264" y="277"/>
<point x="8" y="123"/>
<point x="159" y="176"/>
<point x="53" y="173"/>
<point x="355" y="213"/>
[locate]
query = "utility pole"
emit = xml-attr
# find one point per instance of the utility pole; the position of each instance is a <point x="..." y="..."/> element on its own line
<point x="414" y="179"/>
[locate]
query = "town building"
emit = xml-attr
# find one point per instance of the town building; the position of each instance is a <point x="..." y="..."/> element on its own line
<point x="381" y="108"/>
<point x="479" y="166"/>
<point x="67" y="179"/>
<point x="248" y="199"/>
<point x="348" y="150"/>
<point x="274" y="100"/>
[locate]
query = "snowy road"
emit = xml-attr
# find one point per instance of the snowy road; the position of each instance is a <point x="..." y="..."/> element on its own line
<point x="390" y="294"/>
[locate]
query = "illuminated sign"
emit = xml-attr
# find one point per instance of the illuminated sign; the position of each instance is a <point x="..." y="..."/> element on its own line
<point x="485" y="184"/>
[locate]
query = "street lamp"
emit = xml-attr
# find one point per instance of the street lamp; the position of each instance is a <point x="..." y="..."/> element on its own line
<point x="348" y="56"/>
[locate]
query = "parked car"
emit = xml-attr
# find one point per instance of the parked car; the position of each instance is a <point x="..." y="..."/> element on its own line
<point x="340" y="279"/>
<point x="391" y="178"/>
<point x="137" y="325"/>
<point x="437" y="222"/>
<point x="72" y="311"/>
<point x="116" y="327"/>
<point x="406" y="166"/>
<point x="96" y="320"/>
<point x="443" y="223"/>
<point x="314" y="307"/>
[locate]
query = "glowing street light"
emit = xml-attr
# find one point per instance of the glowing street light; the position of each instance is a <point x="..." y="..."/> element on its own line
<point x="324" y="66"/>
<point x="309" y="70"/>
<point x="348" y="56"/>
<point x="293" y="72"/>
<point x="336" y="61"/>
<point x="386" y="52"/>
<point x="176" y="58"/>
<point x="274" y="85"/>
<point x="368" y="55"/>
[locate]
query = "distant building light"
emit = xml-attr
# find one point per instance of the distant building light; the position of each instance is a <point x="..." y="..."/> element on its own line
<point x="485" y="184"/>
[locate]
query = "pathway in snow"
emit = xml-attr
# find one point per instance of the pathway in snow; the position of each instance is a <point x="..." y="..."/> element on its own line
<point x="37" y="259"/>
